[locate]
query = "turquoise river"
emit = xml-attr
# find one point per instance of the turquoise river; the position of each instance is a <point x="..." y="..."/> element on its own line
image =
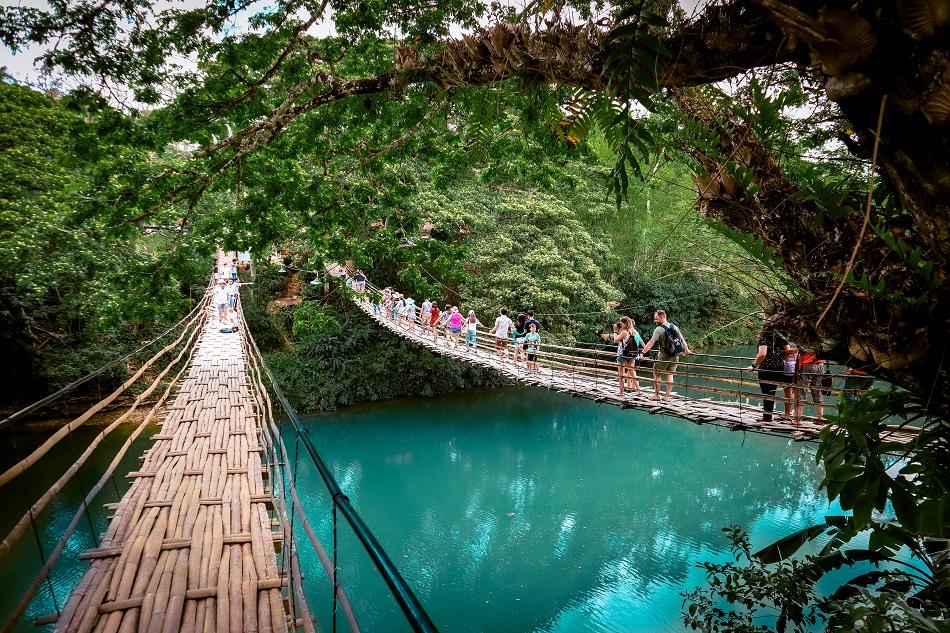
<point x="525" y="510"/>
<point x="510" y="510"/>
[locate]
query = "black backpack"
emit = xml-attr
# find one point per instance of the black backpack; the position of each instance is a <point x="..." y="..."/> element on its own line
<point x="630" y="346"/>
<point x="672" y="343"/>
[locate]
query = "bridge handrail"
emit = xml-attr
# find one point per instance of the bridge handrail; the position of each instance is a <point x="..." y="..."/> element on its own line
<point x="53" y="557"/>
<point x="408" y="602"/>
<point x="268" y="423"/>
<point x="25" y="411"/>
<point x="20" y="467"/>
<point x="608" y="354"/>
<point x="590" y="366"/>
<point x="17" y="531"/>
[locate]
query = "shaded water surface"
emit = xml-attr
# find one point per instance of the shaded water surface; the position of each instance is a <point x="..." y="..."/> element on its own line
<point x="525" y="510"/>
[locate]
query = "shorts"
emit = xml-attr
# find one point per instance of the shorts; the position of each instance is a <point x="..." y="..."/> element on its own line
<point x="810" y="380"/>
<point x="455" y="330"/>
<point x="520" y="341"/>
<point x="501" y="343"/>
<point x="222" y="307"/>
<point x="625" y="359"/>
<point x="666" y="364"/>
<point x="532" y="357"/>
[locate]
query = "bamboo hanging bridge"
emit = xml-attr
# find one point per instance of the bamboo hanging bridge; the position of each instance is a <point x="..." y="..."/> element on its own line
<point x="708" y="391"/>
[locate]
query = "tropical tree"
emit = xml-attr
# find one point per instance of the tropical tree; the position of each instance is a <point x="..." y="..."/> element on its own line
<point x="877" y="70"/>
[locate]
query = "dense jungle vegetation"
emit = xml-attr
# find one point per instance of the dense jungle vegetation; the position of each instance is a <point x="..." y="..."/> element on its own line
<point x="753" y="158"/>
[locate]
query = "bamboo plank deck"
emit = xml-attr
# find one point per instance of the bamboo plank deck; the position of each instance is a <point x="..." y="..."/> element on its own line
<point x="190" y="546"/>
<point x="601" y="386"/>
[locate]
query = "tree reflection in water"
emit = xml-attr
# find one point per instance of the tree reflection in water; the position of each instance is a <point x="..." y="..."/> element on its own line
<point x="520" y="510"/>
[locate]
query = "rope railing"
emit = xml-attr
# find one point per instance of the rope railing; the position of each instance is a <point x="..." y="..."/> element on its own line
<point x="35" y="406"/>
<point x="409" y="604"/>
<point x="54" y="555"/>
<point x="276" y="444"/>
<point x="290" y="552"/>
<point x="67" y="476"/>
<point x="25" y="463"/>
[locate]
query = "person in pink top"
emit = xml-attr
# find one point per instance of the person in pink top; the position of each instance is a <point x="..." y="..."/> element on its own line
<point x="455" y="325"/>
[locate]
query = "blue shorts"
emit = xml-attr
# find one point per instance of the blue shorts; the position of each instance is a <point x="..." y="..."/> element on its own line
<point x="455" y="330"/>
<point x="626" y="359"/>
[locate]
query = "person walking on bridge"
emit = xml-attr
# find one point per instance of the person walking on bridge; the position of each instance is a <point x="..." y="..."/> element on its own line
<point x="454" y="323"/>
<point x="435" y="315"/>
<point x="629" y="342"/>
<point x="220" y="299"/>
<point x="471" y="330"/>
<point x="532" y="343"/>
<point x="770" y="364"/>
<point x="409" y="313"/>
<point x="520" y="332"/>
<point x="671" y="343"/>
<point x="501" y="328"/>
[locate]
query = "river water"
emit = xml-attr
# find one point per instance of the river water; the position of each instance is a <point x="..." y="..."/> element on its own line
<point x="509" y="510"/>
<point x="525" y="510"/>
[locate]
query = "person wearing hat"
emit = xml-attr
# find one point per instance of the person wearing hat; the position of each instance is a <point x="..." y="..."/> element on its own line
<point x="410" y="314"/>
<point x="220" y="298"/>
<point x="398" y="305"/>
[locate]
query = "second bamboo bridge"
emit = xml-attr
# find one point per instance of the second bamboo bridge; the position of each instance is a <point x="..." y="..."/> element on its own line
<point x="707" y="392"/>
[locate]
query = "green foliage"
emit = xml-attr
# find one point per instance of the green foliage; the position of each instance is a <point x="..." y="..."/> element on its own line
<point x="908" y="589"/>
<point x="857" y="454"/>
<point x="635" y="54"/>
<point x="771" y="590"/>
<point x="753" y="591"/>
<point x="77" y="289"/>
<point x="360" y="362"/>
<point x="312" y="321"/>
<point x="525" y="252"/>
<point x="267" y="327"/>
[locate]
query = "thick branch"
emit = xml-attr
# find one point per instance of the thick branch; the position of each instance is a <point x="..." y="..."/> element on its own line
<point x="724" y="42"/>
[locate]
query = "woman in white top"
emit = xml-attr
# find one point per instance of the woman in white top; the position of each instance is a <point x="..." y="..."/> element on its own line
<point x="471" y="329"/>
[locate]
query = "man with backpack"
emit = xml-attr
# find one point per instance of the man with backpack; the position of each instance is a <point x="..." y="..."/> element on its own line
<point x="671" y="345"/>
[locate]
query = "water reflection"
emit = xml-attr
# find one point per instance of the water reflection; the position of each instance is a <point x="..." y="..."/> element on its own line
<point x="522" y="510"/>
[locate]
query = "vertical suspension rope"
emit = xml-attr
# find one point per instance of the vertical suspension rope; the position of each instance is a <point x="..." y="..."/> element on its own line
<point x="291" y="538"/>
<point x="83" y="492"/>
<point x="336" y="569"/>
<point x="39" y="547"/>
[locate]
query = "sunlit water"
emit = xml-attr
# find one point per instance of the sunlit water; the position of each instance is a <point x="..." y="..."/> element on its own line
<point x="526" y="510"/>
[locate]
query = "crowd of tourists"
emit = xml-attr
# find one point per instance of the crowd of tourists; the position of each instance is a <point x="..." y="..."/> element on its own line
<point x="520" y="338"/>
<point x="225" y="295"/>
<point x="778" y="363"/>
